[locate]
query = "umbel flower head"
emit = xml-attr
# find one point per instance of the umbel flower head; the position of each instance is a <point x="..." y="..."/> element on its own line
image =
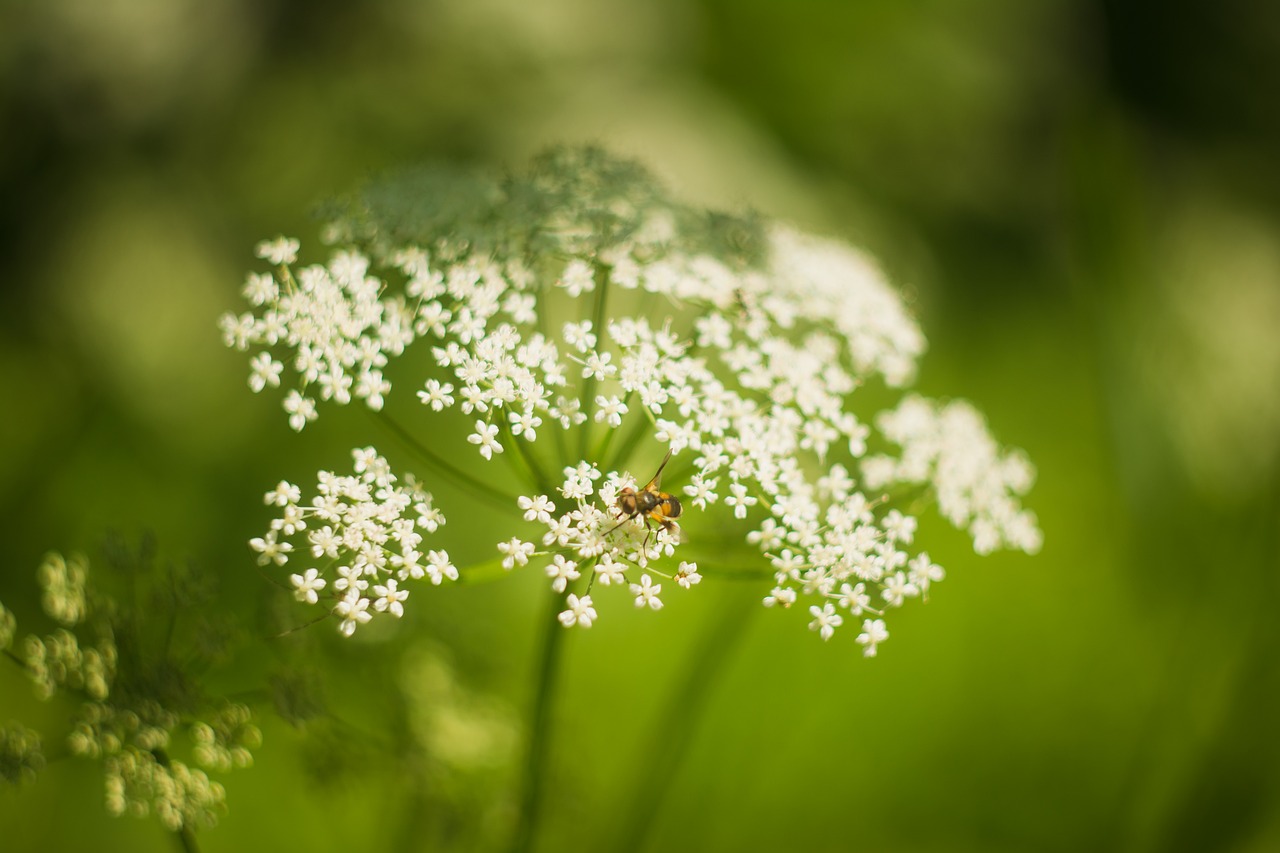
<point x="565" y="321"/>
<point x="135" y="710"/>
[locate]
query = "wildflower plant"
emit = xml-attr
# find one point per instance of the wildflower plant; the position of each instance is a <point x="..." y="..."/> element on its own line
<point x="572" y="323"/>
<point x="140" y="714"/>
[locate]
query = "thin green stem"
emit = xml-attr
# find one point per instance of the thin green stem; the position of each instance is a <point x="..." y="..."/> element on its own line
<point x="732" y="575"/>
<point x="455" y="475"/>
<point x="678" y="720"/>
<point x="607" y="438"/>
<point x="630" y="443"/>
<point x="484" y="572"/>
<point x="520" y="449"/>
<point x="19" y="661"/>
<point x="588" y="399"/>
<point x="539" y="728"/>
<point x="185" y="836"/>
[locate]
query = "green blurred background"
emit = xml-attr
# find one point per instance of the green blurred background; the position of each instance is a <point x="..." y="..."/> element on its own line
<point x="1081" y="201"/>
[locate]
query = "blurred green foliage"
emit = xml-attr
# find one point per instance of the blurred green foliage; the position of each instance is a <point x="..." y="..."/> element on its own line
<point x="1081" y="199"/>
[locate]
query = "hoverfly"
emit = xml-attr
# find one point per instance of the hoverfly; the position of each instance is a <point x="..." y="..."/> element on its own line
<point x="650" y="503"/>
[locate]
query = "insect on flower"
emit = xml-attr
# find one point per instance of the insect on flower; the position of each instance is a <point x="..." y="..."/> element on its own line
<point x="651" y="504"/>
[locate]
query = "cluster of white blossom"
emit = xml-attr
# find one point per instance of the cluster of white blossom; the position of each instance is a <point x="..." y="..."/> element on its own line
<point x="142" y="779"/>
<point x="332" y="318"/>
<point x="21" y="755"/>
<point x="595" y="538"/>
<point x="128" y="733"/>
<point x="977" y="485"/>
<point x="179" y="795"/>
<point x="363" y="535"/>
<point x="63" y="583"/>
<point x="611" y="334"/>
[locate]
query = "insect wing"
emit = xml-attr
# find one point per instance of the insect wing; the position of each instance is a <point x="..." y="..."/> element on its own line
<point x="657" y="478"/>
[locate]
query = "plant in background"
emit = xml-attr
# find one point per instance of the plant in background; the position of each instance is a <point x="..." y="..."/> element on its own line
<point x="139" y="708"/>
<point x="573" y="323"/>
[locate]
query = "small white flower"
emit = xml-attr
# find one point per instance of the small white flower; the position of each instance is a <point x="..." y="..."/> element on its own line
<point x="646" y="593"/>
<point x="390" y="598"/>
<point x="897" y="589"/>
<point x="283" y="494"/>
<point x="767" y="537"/>
<point x="485" y="437"/>
<point x="611" y="410"/>
<point x="324" y="542"/>
<point x="825" y="620"/>
<point x="439" y="567"/>
<point x="265" y="371"/>
<point x="516" y="552"/>
<point x="739" y="500"/>
<point x="597" y="367"/>
<point x="873" y="633"/>
<point x="687" y="575"/>
<point x="350" y="578"/>
<point x="364" y="460"/>
<point x="271" y="551"/>
<point x="353" y="610"/>
<point x="562" y="571"/>
<point x="437" y="395"/>
<point x="306" y="586"/>
<point x="610" y="571"/>
<point x="282" y="250"/>
<point x="899" y="527"/>
<point x="301" y="410"/>
<point x="537" y="508"/>
<point x="260" y="288"/>
<point x="701" y="490"/>
<point x="923" y="572"/>
<point x="854" y="598"/>
<point x="525" y="423"/>
<point x="577" y="278"/>
<point x="580" y="612"/>
<point x="784" y="597"/>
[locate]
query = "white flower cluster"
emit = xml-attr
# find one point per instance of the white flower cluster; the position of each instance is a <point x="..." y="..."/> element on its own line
<point x="977" y="485"/>
<point x="592" y="315"/>
<point x="21" y="756"/>
<point x="332" y="319"/>
<point x="363" y="535"/>
<point x="612" y="548"/>
<point x="63" y="585"/>
<point x="126" y="731"/>
<point x="180" y="796"/>
<point x="226" y="739"/>
<point x="59" y="661"/>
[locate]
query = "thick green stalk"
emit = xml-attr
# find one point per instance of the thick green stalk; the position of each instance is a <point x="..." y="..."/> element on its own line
<point x="534" y="779"/>
<point x="678" y="721"/>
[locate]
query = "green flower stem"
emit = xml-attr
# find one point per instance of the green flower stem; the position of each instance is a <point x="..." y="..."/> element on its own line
<point x="642" y="430"/>
<point x="733" y="575"/>
<point x="19" y="661"/>
<point x="456" y="475"/>
<point x="587" y="402"/>
<point x="521" y="450"/>
<point x="678" y="721"/>
<point x="605" y="440"/>
<point x="539" y="727"/>
<point x="485" y="572"/>
<point x="185" y="836"/>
